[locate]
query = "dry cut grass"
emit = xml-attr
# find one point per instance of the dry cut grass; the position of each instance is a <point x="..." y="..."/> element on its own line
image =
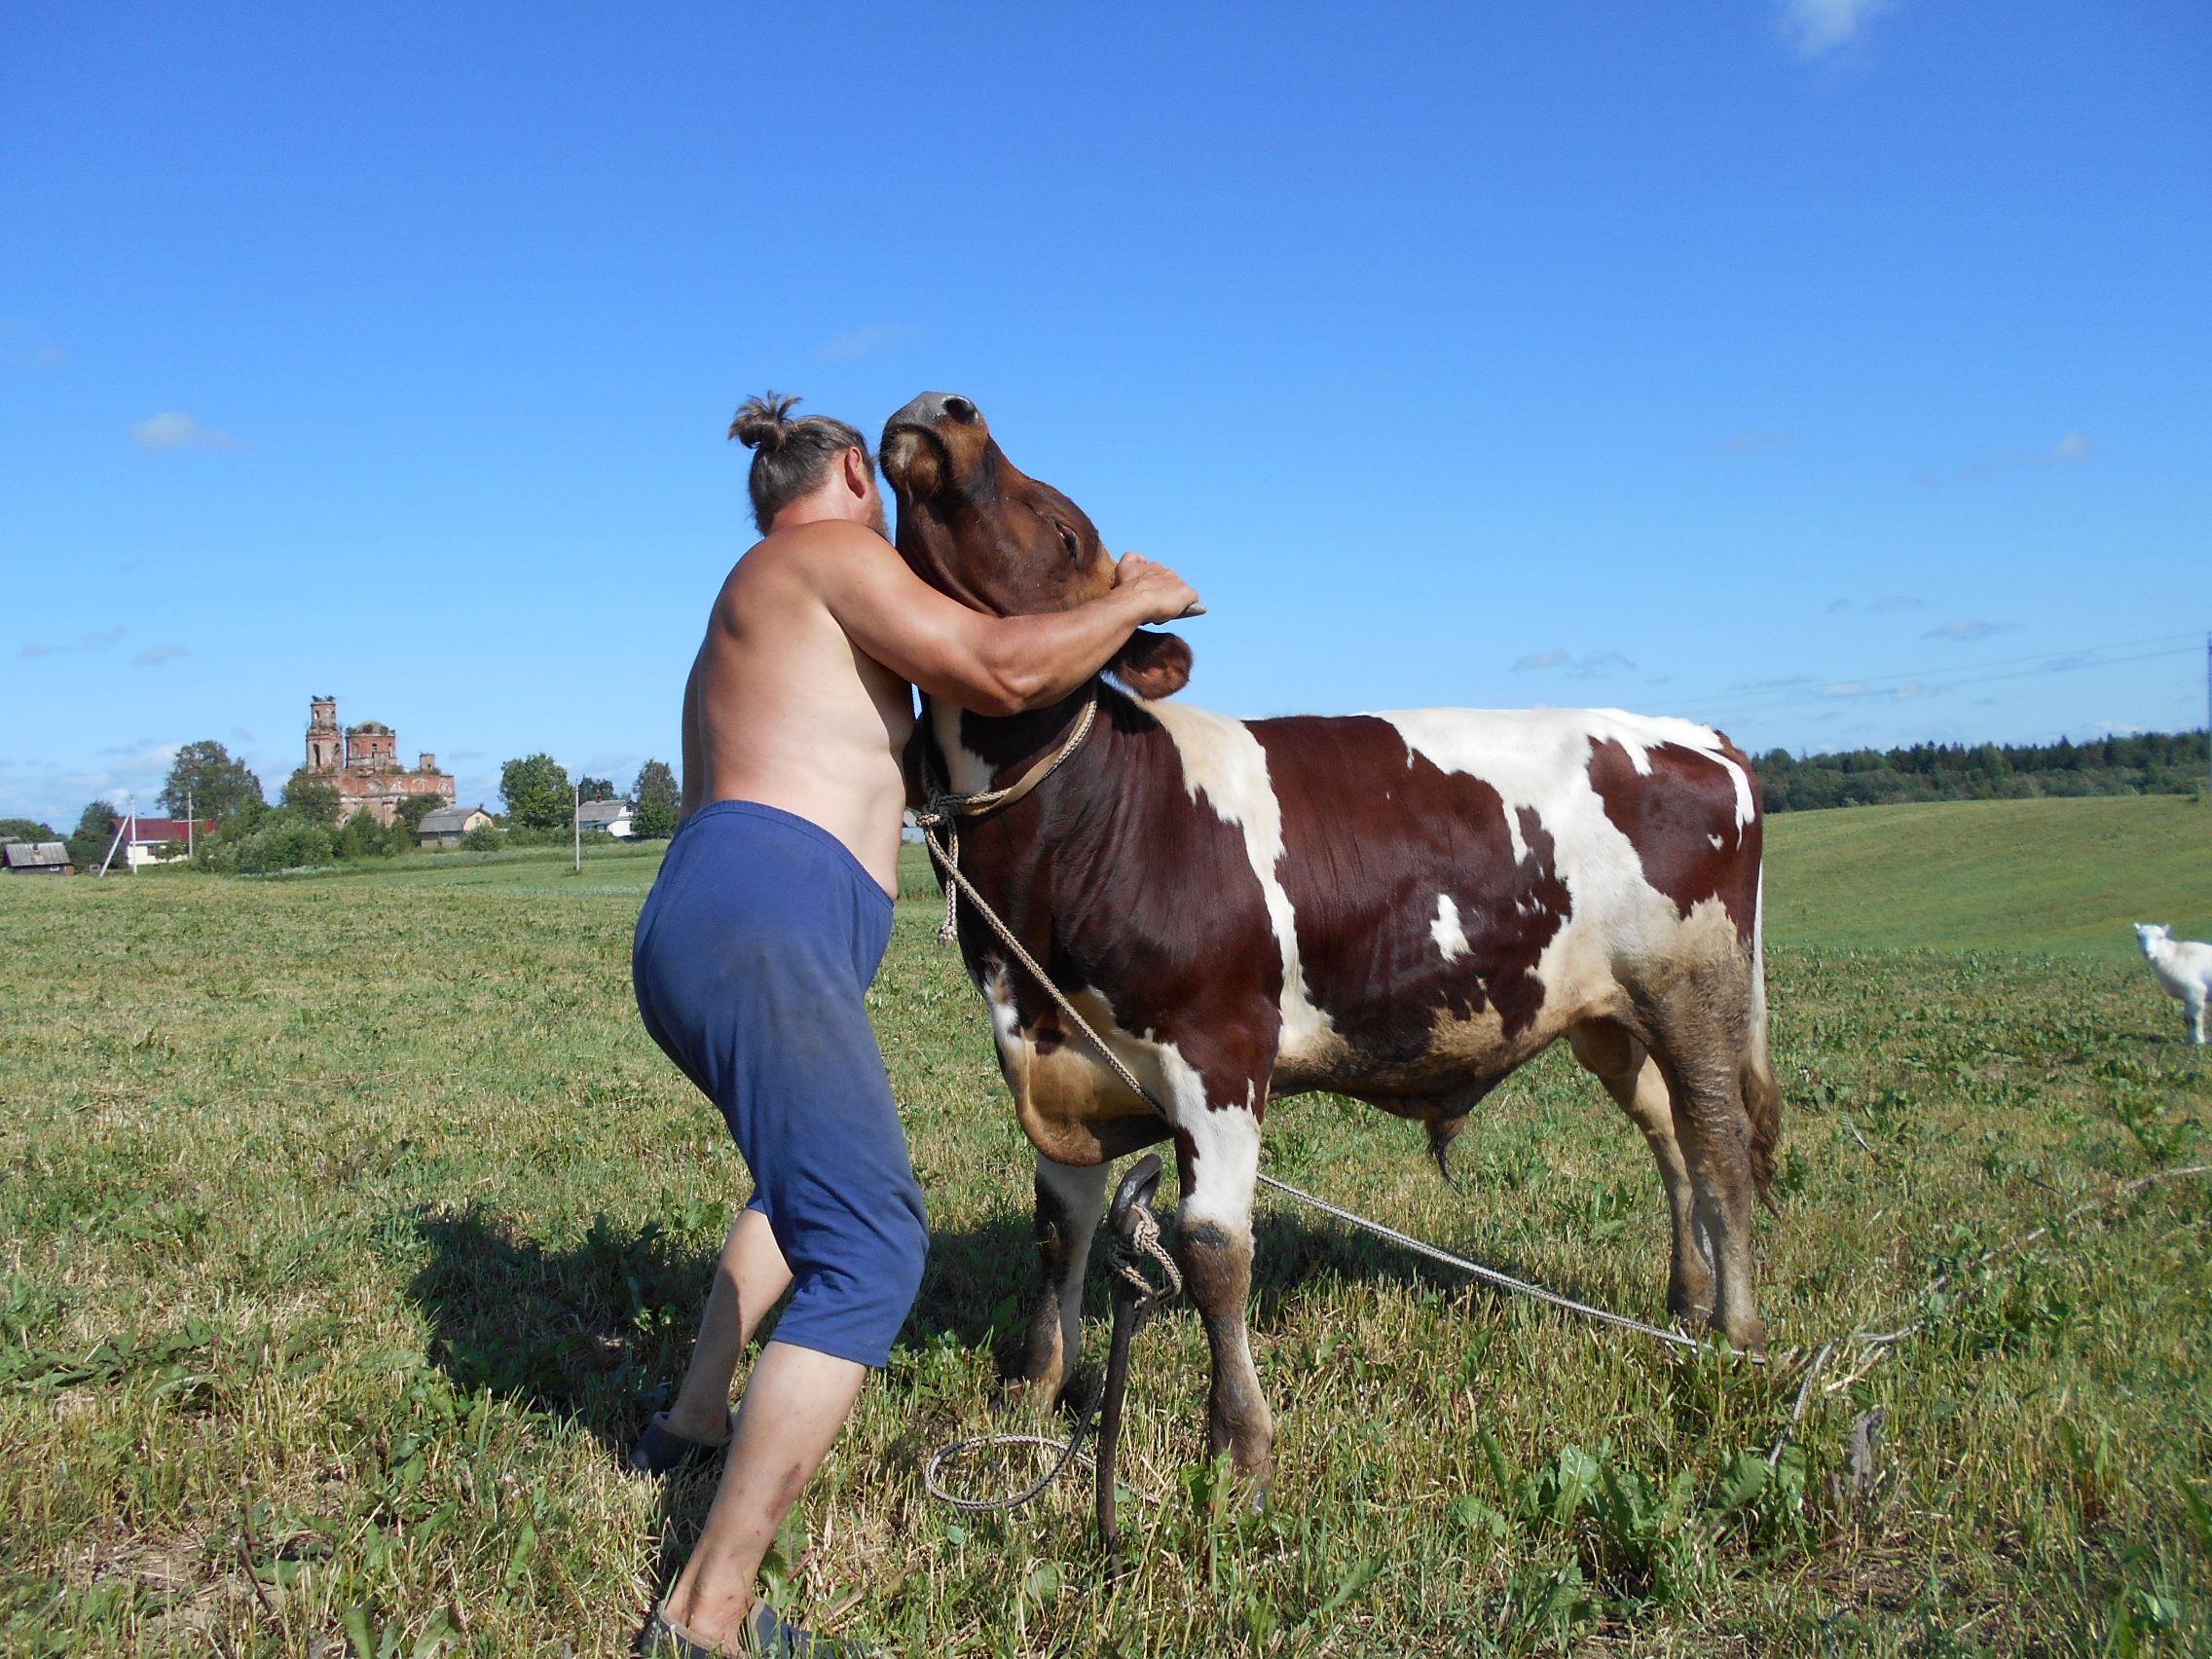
<point x="351" y="1228"/>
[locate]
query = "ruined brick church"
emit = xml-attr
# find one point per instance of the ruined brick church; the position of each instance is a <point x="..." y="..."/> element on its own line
<point x="363" y="764"/>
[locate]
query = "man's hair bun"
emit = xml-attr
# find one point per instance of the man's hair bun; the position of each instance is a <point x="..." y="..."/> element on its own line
<point x="791" y="457"/>
<point x="765" y="423"/>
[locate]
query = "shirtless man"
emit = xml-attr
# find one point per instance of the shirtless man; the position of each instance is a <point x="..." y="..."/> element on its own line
<point x="754" y="953"/>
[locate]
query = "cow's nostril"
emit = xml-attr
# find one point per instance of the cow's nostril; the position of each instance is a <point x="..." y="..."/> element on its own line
<point x="960" y="409"/>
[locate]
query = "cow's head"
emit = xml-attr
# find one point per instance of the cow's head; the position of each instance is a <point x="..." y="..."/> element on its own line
<point x="974" y="525"/>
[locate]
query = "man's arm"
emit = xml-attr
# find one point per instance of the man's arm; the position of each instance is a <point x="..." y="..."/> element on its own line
<point x="993" y="665"/>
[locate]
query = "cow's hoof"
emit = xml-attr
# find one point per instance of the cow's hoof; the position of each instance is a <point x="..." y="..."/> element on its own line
<point x="1748" y="1335"/>
<point x="1035" y="1393"/>
<point x="1690" y="1303"/>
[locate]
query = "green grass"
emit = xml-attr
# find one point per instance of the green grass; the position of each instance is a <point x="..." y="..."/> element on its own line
<point x="2013" y="875"/>
<point x="350" y="1226"/>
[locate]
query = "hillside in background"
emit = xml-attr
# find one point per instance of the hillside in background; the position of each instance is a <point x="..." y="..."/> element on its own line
<point x="2034" y="877"/>
<point x="2150" y="763"/>
<point x="2025" y="875"/>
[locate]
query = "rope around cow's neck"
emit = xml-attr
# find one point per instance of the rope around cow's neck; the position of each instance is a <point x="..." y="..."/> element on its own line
<point x="943" y="807"/>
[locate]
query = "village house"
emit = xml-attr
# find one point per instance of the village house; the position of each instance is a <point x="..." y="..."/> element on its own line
<point x="611" y="816"/>
<point x="36" y="858"/>
<point x="445" y="827"/>
<point x="156" y="840"/>
<point x="363" y="764"/>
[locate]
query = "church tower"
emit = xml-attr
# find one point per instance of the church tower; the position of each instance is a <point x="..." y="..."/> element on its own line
<point x="326" y="743"/>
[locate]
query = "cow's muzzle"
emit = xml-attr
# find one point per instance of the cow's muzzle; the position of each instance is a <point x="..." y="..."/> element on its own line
<point x="930" y="411"/>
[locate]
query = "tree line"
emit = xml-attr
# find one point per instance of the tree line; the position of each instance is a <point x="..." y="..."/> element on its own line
<point x="307" y="826"/>
<point x="2148" y="763"/>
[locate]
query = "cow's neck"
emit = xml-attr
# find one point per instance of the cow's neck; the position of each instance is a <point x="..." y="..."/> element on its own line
<point x="987" y="752"/>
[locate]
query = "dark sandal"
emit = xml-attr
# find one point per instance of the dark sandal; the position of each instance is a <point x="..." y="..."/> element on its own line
<point x="665" y="1638"/>
<point x="764" y="1632"/>
<point x="660" y="1449"/>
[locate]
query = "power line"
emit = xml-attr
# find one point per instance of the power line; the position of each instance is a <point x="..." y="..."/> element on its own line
<point x="1756" y="699"/>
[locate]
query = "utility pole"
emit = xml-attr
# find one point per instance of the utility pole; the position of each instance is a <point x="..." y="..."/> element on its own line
<point x="121" y="828"/>
<point x="188" y="824"/>
<point x="576" y="818"/>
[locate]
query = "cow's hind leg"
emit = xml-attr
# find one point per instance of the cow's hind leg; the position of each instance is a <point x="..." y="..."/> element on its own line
<point x="1611" y="1053"/>
<point x="1700" y="1049"/>
<point x="1219" y="1153"/>
<point x="1070" y="1199"/>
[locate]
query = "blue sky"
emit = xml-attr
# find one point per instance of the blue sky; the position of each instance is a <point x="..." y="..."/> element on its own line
<point x="1836" y="371"/>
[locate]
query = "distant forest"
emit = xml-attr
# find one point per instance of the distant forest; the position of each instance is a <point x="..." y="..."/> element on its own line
<point x="2154" y="764"/>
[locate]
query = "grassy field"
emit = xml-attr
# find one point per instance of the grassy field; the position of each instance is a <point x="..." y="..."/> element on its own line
<point x="350" y="1227"/>
<point x="2013" y="875"/>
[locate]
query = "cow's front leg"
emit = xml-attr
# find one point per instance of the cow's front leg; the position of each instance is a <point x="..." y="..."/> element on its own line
<point x="1218" y="1150"/>
<point x="1070" y="1199"/>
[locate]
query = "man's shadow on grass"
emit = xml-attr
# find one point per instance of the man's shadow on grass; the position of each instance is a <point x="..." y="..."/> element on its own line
<point x="599" y="1331"/>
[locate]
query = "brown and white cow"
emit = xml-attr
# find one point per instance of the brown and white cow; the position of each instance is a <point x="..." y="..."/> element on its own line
<point x="1403" y="907"/>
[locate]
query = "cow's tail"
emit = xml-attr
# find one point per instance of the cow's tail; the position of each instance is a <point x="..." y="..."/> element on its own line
<point x="1762" y="1095"/>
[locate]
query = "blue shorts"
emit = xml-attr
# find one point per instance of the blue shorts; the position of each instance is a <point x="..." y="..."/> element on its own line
<point x="753" y="962"/>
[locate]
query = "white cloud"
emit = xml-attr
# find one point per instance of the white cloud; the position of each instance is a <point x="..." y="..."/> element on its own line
<point x="22" y="343"/>
<point x="172" y="429"/>
<point x="1598" y="665"/>
<point x="55" y="793"/>
<point x="856" y="343"/>
<point x="87" y="642"/>
<point x="1818" y="26"/>
<point x="1850" y="690"/>
<point x="2070" y="451"/>
<point x="155" y="655"/>
<point x="1750" y="442"/>
<point x="1964" y="628"/>
<point x="1591" y="665"/>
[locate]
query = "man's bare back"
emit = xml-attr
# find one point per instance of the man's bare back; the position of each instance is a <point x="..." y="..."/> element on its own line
<point x="786" y="710"/>
<point x="801" y="696"/>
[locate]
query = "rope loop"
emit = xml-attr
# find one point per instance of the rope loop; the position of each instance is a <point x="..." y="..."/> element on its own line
<point x="1129" y="1259"/>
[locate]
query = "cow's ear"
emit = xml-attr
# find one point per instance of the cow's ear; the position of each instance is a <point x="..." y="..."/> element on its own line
<point x="1152" y="665"/>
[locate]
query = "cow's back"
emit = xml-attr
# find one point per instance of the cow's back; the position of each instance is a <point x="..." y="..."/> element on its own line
<point x="1451" y="887"/>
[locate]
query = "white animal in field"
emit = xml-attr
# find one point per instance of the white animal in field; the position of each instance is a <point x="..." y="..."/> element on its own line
<point x="2183" y="967"/>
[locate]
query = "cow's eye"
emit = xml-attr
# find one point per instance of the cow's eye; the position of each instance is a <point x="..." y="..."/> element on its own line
<point x="1069" y="541"/>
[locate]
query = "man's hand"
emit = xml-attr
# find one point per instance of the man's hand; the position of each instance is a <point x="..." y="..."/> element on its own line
<point x="1166" y="594"/>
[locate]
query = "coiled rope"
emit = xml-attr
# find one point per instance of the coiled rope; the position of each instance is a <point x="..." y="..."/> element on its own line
<point x="1128" y="1254"/>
